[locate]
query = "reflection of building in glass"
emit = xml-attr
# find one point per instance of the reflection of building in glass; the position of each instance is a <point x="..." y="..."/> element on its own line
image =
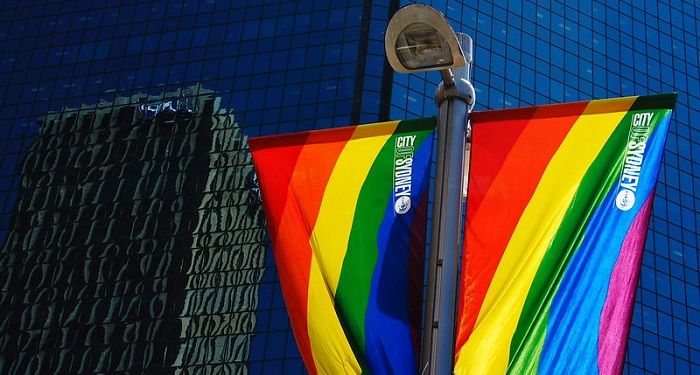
<point x="136" y="243"/>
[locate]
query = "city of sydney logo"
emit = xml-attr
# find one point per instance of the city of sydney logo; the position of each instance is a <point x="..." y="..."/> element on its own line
<point x="403" y="172"/>
<point x="634" y="156"/>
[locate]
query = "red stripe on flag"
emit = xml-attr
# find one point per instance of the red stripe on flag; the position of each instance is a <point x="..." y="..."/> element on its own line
<point x="294" y="170"/>
<point x="492" y="222"/>
<point x="275" y="160"/>
<point x="495" y="142"/>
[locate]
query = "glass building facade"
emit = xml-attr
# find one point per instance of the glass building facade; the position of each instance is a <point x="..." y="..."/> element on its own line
<point x="131" y="231"/>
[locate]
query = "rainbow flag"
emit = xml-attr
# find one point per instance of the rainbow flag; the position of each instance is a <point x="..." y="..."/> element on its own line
<point x="558" y="206"/>
<point x="346" y="211"/>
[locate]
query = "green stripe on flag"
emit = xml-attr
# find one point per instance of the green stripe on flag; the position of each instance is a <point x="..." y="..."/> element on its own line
<point x="352" y="294"/>
<point x="600" y="178"/>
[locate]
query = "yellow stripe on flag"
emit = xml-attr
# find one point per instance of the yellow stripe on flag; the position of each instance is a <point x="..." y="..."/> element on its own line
<point x="329" y="241"/>
<point x="331" y="350"/>
<point x="487" y="349"/>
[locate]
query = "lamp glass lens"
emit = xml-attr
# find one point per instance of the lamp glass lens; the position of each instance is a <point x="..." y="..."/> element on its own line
<point x="421" y="46"/>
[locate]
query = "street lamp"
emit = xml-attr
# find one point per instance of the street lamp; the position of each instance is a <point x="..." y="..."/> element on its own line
<point x="418" y="39"/>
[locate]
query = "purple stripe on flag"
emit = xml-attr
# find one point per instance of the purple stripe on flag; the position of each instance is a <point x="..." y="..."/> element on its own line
<point x="617" y="311"/>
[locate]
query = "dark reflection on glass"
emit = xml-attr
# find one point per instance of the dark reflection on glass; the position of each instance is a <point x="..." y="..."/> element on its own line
<point x="135" y="244"/>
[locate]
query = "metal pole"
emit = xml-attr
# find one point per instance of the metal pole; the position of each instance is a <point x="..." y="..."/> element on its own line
<point x="455" y="98"/>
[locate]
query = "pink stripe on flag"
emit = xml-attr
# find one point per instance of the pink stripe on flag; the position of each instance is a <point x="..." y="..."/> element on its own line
<point x="617" y="311"/>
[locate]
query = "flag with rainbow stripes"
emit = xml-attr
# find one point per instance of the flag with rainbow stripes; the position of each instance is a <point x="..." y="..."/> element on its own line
<point x="347" y="211"/>
<point x="559" y="199"/>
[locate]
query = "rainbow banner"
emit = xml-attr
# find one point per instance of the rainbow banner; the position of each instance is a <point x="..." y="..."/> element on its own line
<point x="347" y="211"/>
<point x="557" y="212"/>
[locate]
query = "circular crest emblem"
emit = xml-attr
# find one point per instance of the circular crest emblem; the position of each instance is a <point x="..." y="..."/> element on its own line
<point x="402" y="205"/>
<point x="624" y="200"/>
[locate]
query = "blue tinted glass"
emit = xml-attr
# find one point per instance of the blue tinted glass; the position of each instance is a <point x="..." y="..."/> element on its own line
<point x="279" y="66"/>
